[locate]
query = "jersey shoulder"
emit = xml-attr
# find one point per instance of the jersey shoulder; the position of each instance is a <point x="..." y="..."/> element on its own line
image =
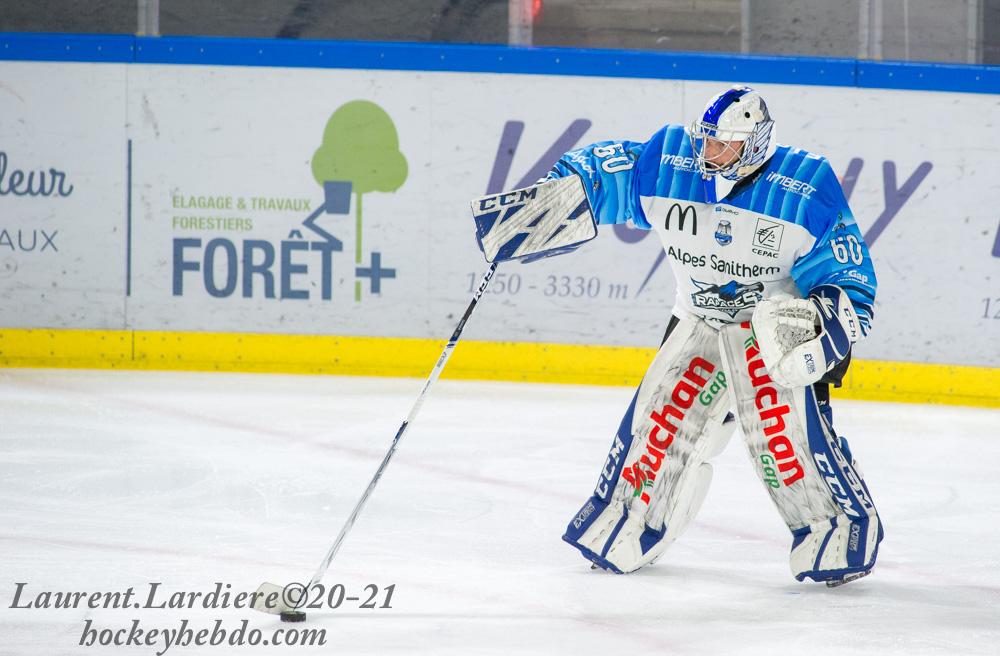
<point x="669" y="147"/>
<point x="797" y="186"/>
<point x="668" y="168"/>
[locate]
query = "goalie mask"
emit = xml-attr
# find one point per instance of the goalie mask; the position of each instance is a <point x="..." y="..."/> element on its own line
<point x="736" y="127"/>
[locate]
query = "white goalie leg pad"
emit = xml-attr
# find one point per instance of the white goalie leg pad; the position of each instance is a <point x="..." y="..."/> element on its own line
<point x="691" y="492"/>
<point x="826" y="551"/>
<point x="656" y="475"/>
<point x="814" y="483"/>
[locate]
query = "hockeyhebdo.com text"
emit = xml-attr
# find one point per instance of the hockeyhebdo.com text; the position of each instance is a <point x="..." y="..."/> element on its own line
<point x="136" y="632"/>
<point x="183" y="635"/>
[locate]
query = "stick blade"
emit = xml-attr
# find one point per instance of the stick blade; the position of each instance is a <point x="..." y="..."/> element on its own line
<point x="270" y="598"/>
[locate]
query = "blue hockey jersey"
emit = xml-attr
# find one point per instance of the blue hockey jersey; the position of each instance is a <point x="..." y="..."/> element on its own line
<point x="785" y="229"/>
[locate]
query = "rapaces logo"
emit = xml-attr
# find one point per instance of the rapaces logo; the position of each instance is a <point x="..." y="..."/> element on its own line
<point x="359" y="154"/>
<point x="731" y="298"/>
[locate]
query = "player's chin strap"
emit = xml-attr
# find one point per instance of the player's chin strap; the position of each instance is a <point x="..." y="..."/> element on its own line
<point x="802" y="339"/>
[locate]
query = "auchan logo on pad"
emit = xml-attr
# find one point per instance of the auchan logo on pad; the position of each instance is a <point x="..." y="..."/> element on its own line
<point x="642" y="473"/>
<point x="766" y="402"/>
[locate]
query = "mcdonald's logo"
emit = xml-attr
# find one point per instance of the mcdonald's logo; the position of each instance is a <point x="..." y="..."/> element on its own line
<point x="682" y="216"/>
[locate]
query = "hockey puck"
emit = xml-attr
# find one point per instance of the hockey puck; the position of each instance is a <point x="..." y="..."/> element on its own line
<point x="293" y="616"/>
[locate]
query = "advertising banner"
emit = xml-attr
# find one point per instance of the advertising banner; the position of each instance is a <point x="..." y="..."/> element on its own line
<point x="63" y="195"/>
<point x="322" y="201"/>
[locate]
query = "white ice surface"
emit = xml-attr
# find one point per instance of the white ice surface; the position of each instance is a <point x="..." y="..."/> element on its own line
<point x="110" y="480"/>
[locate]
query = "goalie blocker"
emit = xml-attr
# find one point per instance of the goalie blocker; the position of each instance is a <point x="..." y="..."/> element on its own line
<point x="546" y="219"/>
<point x="657" y="473"/>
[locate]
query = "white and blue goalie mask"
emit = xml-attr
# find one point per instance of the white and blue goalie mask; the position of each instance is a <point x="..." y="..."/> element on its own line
<point x="737" y="122"/>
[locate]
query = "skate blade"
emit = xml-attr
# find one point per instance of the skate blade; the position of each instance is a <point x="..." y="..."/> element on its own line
<point x="847" y="579"/>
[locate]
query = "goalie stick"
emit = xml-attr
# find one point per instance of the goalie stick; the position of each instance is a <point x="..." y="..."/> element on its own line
<point x="273" y="598"/>
<point x="546" y="219"/>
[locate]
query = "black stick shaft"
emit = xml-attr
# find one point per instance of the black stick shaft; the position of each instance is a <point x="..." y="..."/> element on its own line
<point x="435" y="374"/>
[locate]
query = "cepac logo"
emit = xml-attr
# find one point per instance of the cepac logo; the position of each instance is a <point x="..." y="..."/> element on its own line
<point x="767" y="235"/>
<point x="359" y="154"/>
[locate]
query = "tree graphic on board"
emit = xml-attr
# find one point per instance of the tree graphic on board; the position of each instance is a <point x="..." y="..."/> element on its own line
<point x="360" y="146"/>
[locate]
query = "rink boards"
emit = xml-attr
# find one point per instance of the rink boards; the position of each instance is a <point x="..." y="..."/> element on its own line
<point x="207" y="212"/>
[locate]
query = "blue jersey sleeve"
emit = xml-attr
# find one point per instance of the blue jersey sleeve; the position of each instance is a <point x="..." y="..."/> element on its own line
<point x="839" y="256"/>
<point x="608" y="170"/>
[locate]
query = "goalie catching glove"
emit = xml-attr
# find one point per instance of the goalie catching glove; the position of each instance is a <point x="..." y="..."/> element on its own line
<point x="801" y="339"/>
